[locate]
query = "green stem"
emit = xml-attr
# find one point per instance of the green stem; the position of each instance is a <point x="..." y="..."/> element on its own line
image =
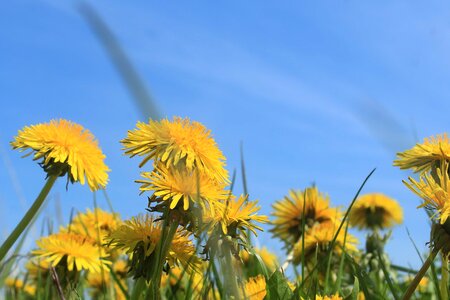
<point x="444" y="278"/>
<point x="413" y="285"/>
<point x="230" y="273"/>
<point x="28" y="217"/>
<point x="166" y="242"/>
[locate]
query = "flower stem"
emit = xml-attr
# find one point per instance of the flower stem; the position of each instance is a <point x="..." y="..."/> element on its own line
<point x="444" y="278"/>
<point x="32" y="211"/>
<point x="162" y="249"/>
<point x="413" y="285"/>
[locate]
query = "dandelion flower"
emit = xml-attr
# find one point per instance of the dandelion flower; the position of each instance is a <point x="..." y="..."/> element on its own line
<point x="17" y="284"/>
<point x="96" y="224"/>
<point x="141" y="234"/>
<point x="100" y="282"/>
<point x="254" y="288"/>
<point x="319" y="238"/>
<point x="37" y="267"/>
<point x="375" y="211"/>
<point x="79" y="252"/>
<point x="65" y="147"/>
<point x="290" y="216"/>
<point x="238" y="214"/>
<point x="434" y="192"/>
<point x="173" y="185"/>
<point x="180" y="143"/>
<point x="423" y="157"/>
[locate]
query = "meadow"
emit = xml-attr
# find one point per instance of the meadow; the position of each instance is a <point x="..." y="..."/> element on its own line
<point x="197" y="237"/>
<point x="194" y="241"/>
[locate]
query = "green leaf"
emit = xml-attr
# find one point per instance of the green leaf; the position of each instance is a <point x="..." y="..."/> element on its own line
<point x="355" y="290"/>
<point x="278" y="288"/>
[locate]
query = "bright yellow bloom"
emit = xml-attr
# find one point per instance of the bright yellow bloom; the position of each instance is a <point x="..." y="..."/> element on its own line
<point x="436" y="194"/>
<point x="289" y="214"/>
<point x="180" y="143"/>
<point x="142" y="231"/>
<point x="96" y="224"/>
<point x="184" y="278"/>
<point x="375" y="211"/>
<point x="65" y="147"/>
<point x="319" y="238"/>
<point x="254" y="288"/>
<point x="269" y="258"/>
<point x="422" y="157"/>
<point x="99" y="284"/>
<point x="173" y="185"/>
<point x="237" y="214"/>
<point x="37" y="267"/>
<point x="79" y="252"/>
<point x="120" y="267"/>
<point x="17" y="284"/>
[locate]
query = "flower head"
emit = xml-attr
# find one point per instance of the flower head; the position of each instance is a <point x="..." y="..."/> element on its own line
<point x="435" y="192"/>
<point x="96" y="224"/>
<point x="319" y="238"/>
<point x="100" y="282"/>
<point x="180" y="143"/>
<point x="174" y="185"/>
<point x="375" y="211"/>
<point x="308" y="207"/>
<point x="236" y="214"/>
<point x="17" y="284"/>
<point x="77" y="251"/>
<point x="423" y="157"/>
<point x="65" y="148"/>
<point x="140" y="235"/>
<point x="254" y="288"/>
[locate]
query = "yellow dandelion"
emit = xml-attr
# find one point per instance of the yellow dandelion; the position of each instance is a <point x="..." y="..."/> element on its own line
<point x="96" y="224"/>
<point x="120" y="267"/>
<point x="173" y="185"/>
<point x="289" y="214"/>
<point x="268" y="258"/>
<point x="79" y="252"/>
<point x="375" y="211"/>
<point x="319" y="239"/>
<point x="100" y="283"/>
<point x="142" y="233"/>
<point x="180" y="143"/>
<point x="17" y="284"/>
<point x="434" y="192"/>
<point x="139" y="230"/>
<point x="37" y="267"/>
<point x="184" y="278"/>
<point x="422" y="157"/>
<point x="65" y="147"/>
<point x="254" y="288"/>
<point x="237" y="214"/>
<point x="14" y="283"/>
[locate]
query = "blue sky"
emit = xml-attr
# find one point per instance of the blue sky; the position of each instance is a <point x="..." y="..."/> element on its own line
<point x="317" y="92"/>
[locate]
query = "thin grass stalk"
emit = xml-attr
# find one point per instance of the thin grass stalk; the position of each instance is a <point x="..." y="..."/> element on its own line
<point x="413" y="285"/>
<point x="166" y="241"/>
<point x="444" y="278"/>
<point x="26" y="220"/>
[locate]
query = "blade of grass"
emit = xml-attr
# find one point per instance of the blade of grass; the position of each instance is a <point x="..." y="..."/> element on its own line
<point x="387" y="277"/>
<point x="125" y="68"/>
